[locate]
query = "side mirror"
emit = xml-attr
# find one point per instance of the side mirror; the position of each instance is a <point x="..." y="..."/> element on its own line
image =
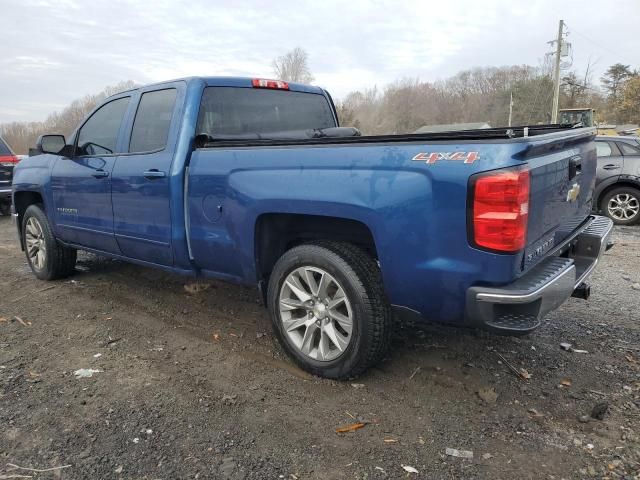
<point x="51" y="144"/>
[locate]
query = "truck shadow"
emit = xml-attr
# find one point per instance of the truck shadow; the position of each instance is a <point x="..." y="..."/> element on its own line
<point x="212" y="311"/>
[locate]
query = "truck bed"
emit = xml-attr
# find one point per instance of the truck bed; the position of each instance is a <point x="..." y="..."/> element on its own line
<point x="417" y="211"/>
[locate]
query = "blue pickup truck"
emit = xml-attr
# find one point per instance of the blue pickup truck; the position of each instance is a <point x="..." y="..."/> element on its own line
<point x="253" y="181"/>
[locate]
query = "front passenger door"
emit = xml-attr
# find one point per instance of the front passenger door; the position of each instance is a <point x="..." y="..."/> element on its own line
<point x="81" y="185"/>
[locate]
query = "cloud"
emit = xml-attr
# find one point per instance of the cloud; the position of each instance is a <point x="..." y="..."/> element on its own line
<point x="65" y="49"/>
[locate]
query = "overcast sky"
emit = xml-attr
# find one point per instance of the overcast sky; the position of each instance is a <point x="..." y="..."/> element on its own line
<point x="53" y="51"/>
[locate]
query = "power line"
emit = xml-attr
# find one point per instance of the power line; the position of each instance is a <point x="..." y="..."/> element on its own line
<point x="610" y="50"/>
<point x="586" y="87"/>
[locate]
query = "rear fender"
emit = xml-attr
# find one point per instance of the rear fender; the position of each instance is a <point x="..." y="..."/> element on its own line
<point x="601" y="188"/>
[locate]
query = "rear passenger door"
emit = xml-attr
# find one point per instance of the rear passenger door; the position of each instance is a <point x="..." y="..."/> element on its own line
<point x="141" y="189"/>
<point x="610" y="160"/>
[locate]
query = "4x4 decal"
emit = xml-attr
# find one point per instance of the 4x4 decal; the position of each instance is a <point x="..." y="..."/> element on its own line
<point x="433" y="157"/>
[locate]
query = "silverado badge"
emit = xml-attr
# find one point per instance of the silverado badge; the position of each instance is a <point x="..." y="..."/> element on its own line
<point x="572" y="194"/>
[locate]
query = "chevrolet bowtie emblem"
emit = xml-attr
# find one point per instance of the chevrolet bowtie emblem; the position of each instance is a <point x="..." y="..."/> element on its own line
<point x="572" y="194"/>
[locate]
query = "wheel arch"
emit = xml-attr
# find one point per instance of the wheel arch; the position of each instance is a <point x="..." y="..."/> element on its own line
<point x="22" y="200"/>
<point x="275" y="233"/>
<point x="620" y="183"/>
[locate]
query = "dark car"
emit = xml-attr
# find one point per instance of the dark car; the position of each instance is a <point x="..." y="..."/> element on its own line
<point x="617" y="193"/>
<point x="8" y="160"/>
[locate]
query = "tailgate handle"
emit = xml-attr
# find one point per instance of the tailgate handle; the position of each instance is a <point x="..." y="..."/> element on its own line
<point x="575" y="166"/>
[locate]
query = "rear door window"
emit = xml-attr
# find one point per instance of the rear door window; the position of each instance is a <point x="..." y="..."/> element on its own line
<point x="236" y="111"/>
<point x="99" y="134"/>
<point x="152" y="122"/>
<point x="628" y="149"/>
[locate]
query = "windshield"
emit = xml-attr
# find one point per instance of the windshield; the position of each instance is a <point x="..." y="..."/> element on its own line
<point x="237" y="111"/>
<point x="576" y="117"/>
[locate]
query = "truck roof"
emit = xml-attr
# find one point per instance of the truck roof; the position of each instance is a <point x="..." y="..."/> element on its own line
<point x="227" y="82"/>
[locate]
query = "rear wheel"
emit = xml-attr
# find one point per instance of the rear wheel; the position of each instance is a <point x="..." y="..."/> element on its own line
<point x="622" y="205"/>
<point x="5" y="208"/>
<point x="329" y="309"/>
<point x="47" y="258"/>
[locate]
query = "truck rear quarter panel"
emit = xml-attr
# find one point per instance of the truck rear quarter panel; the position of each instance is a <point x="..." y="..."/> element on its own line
<point x="415" y="211"/>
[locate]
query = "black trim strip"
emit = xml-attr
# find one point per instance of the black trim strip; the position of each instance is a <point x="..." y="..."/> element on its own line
<point x="480" y="134"/>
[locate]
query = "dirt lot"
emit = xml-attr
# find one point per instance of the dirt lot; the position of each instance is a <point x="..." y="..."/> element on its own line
<point x="193" y="385"/>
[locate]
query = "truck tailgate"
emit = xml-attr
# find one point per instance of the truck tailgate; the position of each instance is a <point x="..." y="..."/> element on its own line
<point x="562" y="173"/>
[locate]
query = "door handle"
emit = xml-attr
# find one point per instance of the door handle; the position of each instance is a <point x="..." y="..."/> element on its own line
<point x="611" y="166"/>
<point x="153" y="174"/>
<point x="100" y="174"/>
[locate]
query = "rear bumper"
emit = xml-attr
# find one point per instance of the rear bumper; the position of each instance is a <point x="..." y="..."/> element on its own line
<point x="5" y="193"/>
<point x="520" y="306"/>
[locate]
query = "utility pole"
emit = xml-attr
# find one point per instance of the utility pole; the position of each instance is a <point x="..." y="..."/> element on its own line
<point x="510" y="108"/>
<point x="556" y="75"/>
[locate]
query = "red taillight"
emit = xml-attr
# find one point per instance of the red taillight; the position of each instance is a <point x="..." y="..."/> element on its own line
<point x="501" y="210"/>
<point x="8" y="160"/>
<point x="264" y="83"/>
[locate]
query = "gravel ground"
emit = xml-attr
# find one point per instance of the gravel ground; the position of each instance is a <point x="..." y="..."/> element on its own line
<point x="192" y="384"/>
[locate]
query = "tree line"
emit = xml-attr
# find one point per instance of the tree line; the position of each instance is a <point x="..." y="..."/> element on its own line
<point x="480" y="94"/>
<point x="23" y="135"/>
<point x="484" y="94"/>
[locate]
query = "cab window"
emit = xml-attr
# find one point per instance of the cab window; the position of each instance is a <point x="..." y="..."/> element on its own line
<point x="99" y="134"/>
<point x="152" y="122"/>
<point x="238" y="111"/>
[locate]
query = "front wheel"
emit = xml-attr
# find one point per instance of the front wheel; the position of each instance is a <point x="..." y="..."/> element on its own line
<point x="329" y="309"/>
<point x="47" y="258"/>
<point x="622" y="205"/>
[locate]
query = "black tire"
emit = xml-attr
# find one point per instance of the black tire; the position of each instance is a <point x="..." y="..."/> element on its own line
<point x="360" y="278"/>
<point x="59" y="261"/>
<point x="632" y="193"/>
<point x="5" y="208"/>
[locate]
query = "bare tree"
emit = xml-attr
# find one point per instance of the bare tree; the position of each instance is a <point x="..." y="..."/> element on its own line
<point x="293" y="67"/>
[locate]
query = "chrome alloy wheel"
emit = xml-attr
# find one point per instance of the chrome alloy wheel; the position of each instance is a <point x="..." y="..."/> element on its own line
<point x="623" y="206"/>
<point x="35" y="243"/>
<point x="316" y="313"/>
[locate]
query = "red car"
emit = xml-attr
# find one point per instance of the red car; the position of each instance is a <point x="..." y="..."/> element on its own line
<point x="8" y="160"/>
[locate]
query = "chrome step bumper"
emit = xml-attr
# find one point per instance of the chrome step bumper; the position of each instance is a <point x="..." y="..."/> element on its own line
<point x="520" y="306"/>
